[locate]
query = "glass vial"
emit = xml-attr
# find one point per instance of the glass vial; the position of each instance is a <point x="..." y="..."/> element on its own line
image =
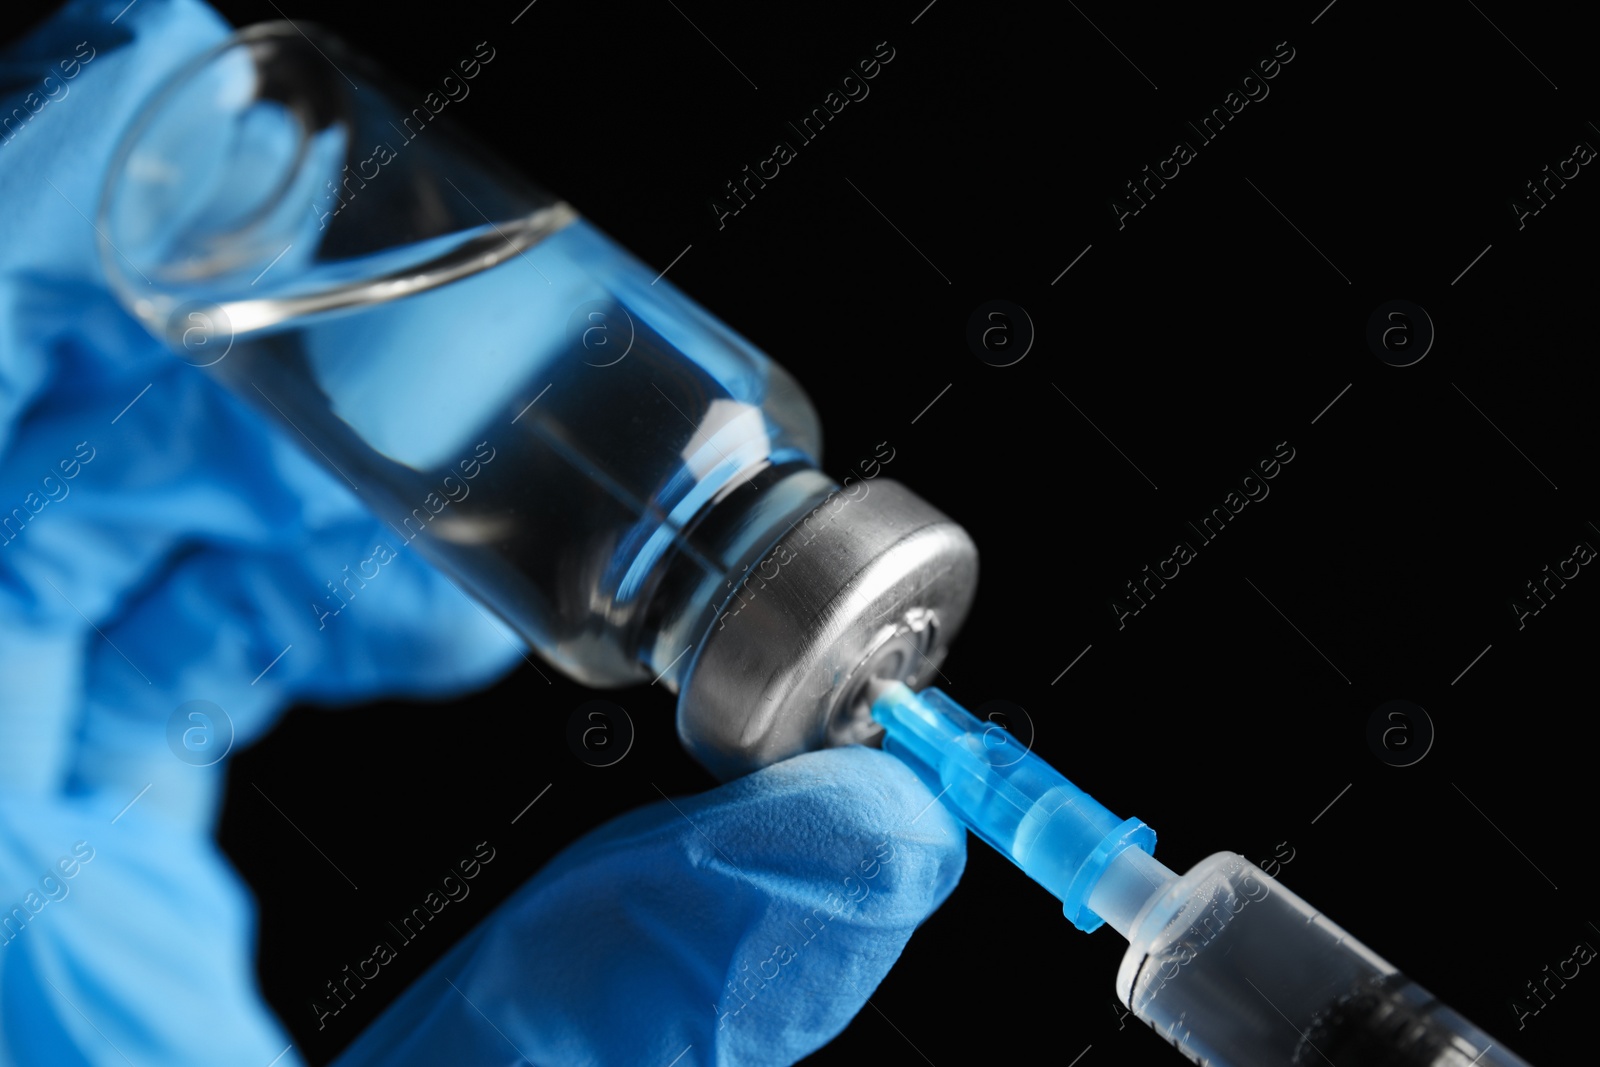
<point x="623" y="479"/>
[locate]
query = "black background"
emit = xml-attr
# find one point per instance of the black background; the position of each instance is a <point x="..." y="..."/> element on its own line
<point x="1232" y="710"/>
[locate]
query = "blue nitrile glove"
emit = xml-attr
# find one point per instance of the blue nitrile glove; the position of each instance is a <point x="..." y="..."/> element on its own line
<point x="158" y="545"/>
<point x="744" y="926"/>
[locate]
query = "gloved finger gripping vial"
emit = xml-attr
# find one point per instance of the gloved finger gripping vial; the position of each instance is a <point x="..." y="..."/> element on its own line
<point x="614" y="472"/>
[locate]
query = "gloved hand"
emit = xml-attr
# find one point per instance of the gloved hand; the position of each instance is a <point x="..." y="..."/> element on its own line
<point x="156" y="547"/>
<point x="744" y="926"/>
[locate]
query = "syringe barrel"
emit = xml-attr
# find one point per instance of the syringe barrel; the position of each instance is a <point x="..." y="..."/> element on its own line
<point x="1237" y="971"/>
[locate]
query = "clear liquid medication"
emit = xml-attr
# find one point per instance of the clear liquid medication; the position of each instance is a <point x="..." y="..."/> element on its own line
<point x="578" y="445"/>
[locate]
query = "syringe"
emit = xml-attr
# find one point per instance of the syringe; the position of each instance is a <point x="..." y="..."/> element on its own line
<point x="1224" y="961"/>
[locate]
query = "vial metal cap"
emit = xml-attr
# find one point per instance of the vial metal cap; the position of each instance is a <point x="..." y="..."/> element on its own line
<point x="857" y="591"/>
